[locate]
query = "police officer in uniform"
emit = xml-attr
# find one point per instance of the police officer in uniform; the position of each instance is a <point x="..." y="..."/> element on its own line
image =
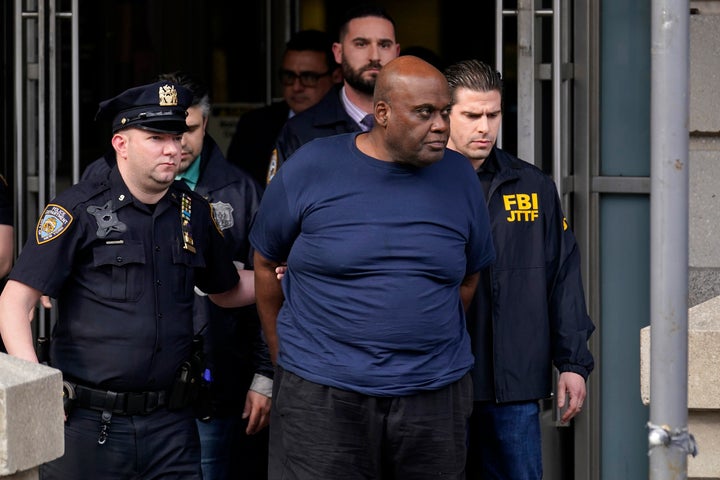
<point x="122" y="255"/>
<point x="233" y="436"/>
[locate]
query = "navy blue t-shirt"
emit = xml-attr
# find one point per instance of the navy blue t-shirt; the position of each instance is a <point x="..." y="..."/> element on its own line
<point x="376" y="252"/>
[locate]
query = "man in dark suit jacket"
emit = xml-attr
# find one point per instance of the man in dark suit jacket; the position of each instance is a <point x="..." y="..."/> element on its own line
<point x="308" y="72"/>
<point x="366" y="42"/>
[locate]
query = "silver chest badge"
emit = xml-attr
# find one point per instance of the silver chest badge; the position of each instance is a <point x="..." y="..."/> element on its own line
<point x="223" y="215"/>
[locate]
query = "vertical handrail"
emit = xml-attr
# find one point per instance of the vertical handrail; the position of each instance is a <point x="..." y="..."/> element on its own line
<point x="526" y="81"/>
<point x="41" y="101"/>
<point x="669" y="441"/>
<point x="50" y="162"/>
<point x="556" y="98"/>
<point x="75" y="34"/>
<point x="19" y="127"/>
<point x="499" y="35"/>
<point x="499" y="52"/>
<point x="72" y="16"/>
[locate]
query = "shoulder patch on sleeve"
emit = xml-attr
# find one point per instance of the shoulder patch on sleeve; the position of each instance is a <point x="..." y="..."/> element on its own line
<point x="53" y="222"/>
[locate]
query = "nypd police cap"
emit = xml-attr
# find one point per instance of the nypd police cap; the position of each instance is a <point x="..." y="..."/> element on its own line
<point x="158" y="107"/>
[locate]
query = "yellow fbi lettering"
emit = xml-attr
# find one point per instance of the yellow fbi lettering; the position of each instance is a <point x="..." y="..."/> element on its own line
<point x="522" y="207"/>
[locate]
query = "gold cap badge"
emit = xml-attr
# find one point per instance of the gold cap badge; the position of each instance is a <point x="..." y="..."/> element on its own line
<point x="168" y="96"/>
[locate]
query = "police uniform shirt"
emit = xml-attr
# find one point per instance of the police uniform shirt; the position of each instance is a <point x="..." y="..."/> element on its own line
<point x="124" y="276"/>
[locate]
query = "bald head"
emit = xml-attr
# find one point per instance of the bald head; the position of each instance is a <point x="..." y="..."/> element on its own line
<point x="407" y="71"/>
<point x="411" y="104"/>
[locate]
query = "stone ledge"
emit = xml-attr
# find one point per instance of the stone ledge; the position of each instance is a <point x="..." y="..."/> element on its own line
<point x="32" y="474"/>
<point x="704" y="65"/>
<point x="704" y="426"/>
<point x="703" y="357"/>
<point x="31" y="415"/>
<point x="703" y="386"/>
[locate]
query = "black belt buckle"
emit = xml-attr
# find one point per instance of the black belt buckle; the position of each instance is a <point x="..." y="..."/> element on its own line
<point x="134" y="403"/>
<point x="141" y="403"/>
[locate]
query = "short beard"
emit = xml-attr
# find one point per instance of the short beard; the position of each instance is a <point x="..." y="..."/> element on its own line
<point x="355" y="80"/>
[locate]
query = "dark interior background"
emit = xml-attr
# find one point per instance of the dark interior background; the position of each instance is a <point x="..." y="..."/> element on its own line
<point x="234" y="47"/>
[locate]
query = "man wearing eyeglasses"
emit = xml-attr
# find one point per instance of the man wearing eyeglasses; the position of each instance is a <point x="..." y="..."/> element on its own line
<point x="307" y="73"/>
<point x="366" y="42"/>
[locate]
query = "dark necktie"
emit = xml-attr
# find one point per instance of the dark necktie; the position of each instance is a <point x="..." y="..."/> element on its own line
<point x="368" y="121"/>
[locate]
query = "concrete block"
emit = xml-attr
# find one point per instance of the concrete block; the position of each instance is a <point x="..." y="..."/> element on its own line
<point x="31" y="415"/>
<point x="703" y="285"/>
<point x="703" y="357"/>
<point x="703" y="386"/>
<point x="32" y="474"/>
<point x="705" y="427"/>
<point x="704" y="205"/>
<point x="704" y="73"/>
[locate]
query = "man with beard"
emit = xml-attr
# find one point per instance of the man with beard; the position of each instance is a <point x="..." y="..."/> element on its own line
<point x="366" y="43"/>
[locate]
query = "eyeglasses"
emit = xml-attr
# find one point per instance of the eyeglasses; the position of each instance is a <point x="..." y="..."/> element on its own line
<point x="307" y="79"/>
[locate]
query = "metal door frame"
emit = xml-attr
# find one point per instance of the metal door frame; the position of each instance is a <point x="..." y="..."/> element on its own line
<point x="37" y="112"/>
<point x="37" y="105"/>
